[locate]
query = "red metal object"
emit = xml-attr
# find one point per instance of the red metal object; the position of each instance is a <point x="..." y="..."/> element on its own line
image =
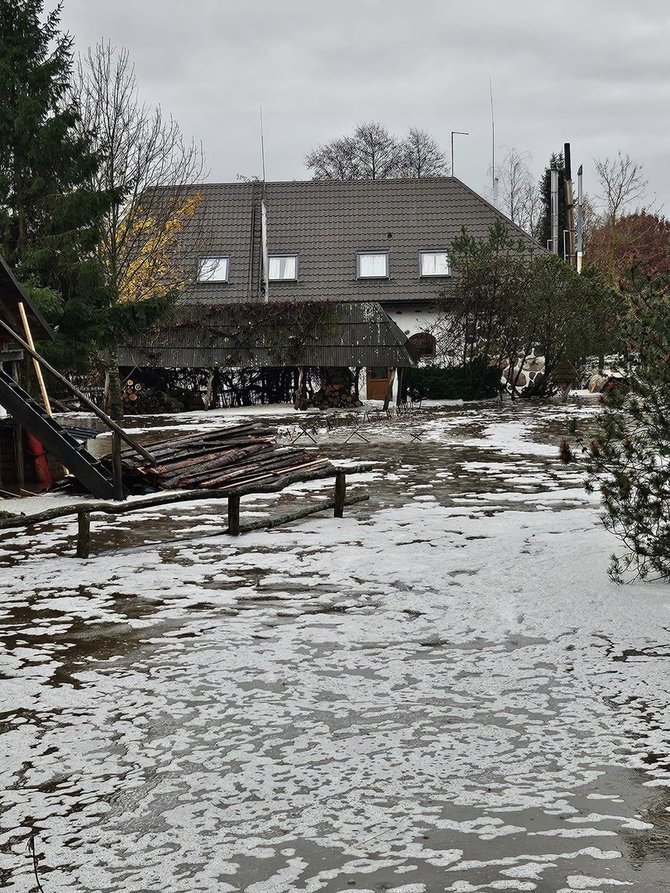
<point x="35" y="449"/>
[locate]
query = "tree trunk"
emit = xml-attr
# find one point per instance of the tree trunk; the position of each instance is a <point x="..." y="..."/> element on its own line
<point x="389" y="390"/>
<point x="299" y="388"/>
<point x="209" y="393"/>
<point x="113" y="397"/>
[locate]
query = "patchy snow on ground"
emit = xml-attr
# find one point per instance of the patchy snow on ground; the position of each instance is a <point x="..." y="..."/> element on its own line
<point x="441" y="691"/>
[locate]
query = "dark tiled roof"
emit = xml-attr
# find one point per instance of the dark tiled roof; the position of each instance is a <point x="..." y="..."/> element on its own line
<point x="205" y="336"/>
<point x="326" y="222"/>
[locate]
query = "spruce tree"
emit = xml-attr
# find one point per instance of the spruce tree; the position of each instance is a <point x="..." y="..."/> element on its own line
<point x="49" y="211"/>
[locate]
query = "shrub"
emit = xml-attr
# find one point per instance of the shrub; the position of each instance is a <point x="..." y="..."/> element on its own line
<point x="473" y="381"/>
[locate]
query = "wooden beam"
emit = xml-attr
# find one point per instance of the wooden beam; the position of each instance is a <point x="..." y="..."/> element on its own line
<point x="11" y="356"/>
<point x="300" y="513"/>
<point x="36" y="365"/>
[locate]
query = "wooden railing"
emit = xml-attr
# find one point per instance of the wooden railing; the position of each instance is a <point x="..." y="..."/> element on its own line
<point x="233" y="495"/>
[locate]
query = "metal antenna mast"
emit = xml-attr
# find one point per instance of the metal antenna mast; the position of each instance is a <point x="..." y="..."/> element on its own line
<point x="494" y="179"/>
<point x="262" y="146"/>
<point x="264" y="223"/>
<point x="457" y="133"/>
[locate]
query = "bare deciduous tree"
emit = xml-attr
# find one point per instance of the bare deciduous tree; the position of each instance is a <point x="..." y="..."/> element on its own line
<point x="334" y="161"/>
<point x="519" y="195"/>
<point x="378" y="155"/>
<point x="372" y="153"/>
<point x="149" y="168"/>
<point x="422" y="157"/>
<point x="622" y="184"/>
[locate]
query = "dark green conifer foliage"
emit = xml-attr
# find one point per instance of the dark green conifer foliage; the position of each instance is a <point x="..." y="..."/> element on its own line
<point x="629" y="461"/>
<point x="49" y="212"/>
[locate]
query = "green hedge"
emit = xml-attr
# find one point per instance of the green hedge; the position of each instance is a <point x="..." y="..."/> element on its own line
<point x="474" y="381"/>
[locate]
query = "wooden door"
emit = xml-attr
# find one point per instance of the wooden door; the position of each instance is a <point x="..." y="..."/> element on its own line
<point x="377" y="382"/>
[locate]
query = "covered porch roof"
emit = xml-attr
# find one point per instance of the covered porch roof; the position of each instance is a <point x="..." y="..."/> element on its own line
<point x="270" y="335"/>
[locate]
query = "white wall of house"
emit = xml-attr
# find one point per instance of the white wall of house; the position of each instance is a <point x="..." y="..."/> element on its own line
<point x="412" y="319"/>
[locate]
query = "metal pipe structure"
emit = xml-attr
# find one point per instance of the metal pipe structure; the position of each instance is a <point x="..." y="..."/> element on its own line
<point x="554" y="209"/>
<point x="455" y="133"/>
<point x="265" y="272"/>
<point x="580" y="221"/>
<point x="569" y="208"/>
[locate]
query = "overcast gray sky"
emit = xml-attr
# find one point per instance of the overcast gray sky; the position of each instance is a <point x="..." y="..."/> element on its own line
<point x="595" y="73"/>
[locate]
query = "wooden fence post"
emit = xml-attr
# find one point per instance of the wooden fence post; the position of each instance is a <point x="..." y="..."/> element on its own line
<point x="340" y="493"/>
<point x="117" y="467"/>
<point x="83" y="534"/>
<point x="234" y="514"/>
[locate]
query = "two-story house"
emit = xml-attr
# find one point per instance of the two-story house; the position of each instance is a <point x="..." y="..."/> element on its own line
<point x="376" y="252"/>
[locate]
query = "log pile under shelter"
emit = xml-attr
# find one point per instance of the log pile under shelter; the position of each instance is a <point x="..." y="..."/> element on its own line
<point x="232" y="457"/>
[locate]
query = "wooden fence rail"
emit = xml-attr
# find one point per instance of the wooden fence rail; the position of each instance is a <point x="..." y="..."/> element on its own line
<point x="83" y="511"/>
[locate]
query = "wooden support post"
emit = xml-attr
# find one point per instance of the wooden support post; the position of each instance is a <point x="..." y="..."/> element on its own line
<point x="340" y="493"/>
<point x="234" y="514"/>
<point x="83" y="534"/>
<point x="19" y="458"/>
<point x="36" y="365"/>
<point x="117" y="467"/>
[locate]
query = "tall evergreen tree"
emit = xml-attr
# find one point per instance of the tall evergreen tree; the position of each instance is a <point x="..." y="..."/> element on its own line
<point x="543" y="234"/>
<point x="49" y="211"/>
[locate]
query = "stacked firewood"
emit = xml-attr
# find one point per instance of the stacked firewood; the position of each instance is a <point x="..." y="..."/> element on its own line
<point x="131" y="393"/>
<point x="334" y="397"/>
<point x="140" y="399"/>
<point x="335" y="390"/>
<point x="227" y="458"/>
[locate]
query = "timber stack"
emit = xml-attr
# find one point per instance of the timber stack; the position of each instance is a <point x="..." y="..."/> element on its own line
<point x="335" y="391"/>
<point x="226" y="458"/>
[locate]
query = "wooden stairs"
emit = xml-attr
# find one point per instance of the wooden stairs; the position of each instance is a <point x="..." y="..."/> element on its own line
<point x="29" y="413"/>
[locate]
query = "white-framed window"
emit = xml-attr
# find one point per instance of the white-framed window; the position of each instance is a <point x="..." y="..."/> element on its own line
<point x="213" y="269"/>
<point x="373" y="265"/>
<point x="283" y="267"/>
<point x="434" y="263"/>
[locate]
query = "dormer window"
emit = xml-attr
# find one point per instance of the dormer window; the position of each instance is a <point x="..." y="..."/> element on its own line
<point x="434" y="263"/>
<point x="373" y="265"/>
<point x="213" y="269"/>
<point x="283" y="267"/>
